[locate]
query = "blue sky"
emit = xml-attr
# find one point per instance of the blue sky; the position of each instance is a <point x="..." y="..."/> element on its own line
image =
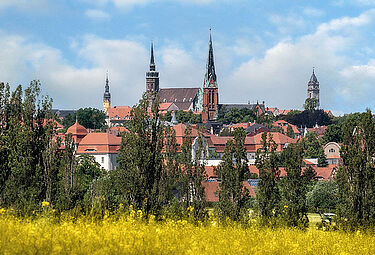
<point x="264" y="50"/>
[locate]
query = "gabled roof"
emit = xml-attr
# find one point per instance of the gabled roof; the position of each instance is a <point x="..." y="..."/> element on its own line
<point x="99" y="143"/>
<point x="177" y="95"/>
<point x="119" y="113"/>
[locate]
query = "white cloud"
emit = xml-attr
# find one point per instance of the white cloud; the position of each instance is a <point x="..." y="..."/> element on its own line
<point x="280" y="76"/>
<point x="23" y="4"/>
<point x="288" y="23"/>
<point x="313" y="12"/>
<point x="97" y="14"/>
<point x="131" y="3"/>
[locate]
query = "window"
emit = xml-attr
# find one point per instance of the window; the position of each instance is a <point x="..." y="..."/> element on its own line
<point x="183" y="100"/>
<point x="102" y="159"/>
<point x="164" y="100"/>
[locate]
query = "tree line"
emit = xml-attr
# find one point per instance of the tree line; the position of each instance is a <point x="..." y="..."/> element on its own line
<point x="159" y="177"/>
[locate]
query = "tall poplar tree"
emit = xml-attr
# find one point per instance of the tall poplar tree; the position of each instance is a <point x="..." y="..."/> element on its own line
<point x="233" y="172"/>
<point x="356" y="178"/>
<point x="268" y="193"/>
<point x="141" y="159"/>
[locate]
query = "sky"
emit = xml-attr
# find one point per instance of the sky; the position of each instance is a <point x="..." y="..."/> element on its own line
<point x="264" y="50"/>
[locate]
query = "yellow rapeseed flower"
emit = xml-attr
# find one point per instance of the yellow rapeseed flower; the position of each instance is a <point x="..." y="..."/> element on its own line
<point x="2" y="210"/>
<point x="45" y="203"/>
<point x="285" y="206"/>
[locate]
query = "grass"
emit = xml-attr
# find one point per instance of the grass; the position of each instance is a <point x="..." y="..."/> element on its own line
<point x="129" y="234"/>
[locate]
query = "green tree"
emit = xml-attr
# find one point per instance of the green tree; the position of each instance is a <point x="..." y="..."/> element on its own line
<point x="308" y="118"/>
<point x="294" y="187"/>
<point x="24" y="137"/>
<point x="193" y="172"/>
<point x="233" y="172"/>
<point x="323" y="196"/>
<point x="268" y="194"/>
<point x="289" y="131"/>
<point x="88" y="117"/>
<point x="356" y="178"/>
<point x="314" y="149"/>
<point x="310" y="104"/>
<point x="333" y="133"/>
<point x="88" y="170"/>
<point x="140" y="158"/>
<point x="67" y="176"/>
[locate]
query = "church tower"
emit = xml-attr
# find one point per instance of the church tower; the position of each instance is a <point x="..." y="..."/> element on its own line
<point x="210" y="89"/>
<point x="106" y="97"/>
<point x="313" y="89"/>
<point x="152" y="76"/>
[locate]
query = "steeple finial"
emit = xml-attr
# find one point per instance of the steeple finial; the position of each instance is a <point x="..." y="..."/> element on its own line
<point x="152" y="60"/>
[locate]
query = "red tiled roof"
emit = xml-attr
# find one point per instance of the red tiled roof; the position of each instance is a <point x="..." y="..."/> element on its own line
<point x="325" y="173"/>
<point x="280" y="140"/>
<point x="77" y="129"/>
<point x="211" y="189"/>
<point x="119" y="129"/>
<point x="119" y="113"/>
<point x="164" y="106"/>
<point x="284" y="125"/>
<point x="99" y="143"/>
<point x="284" y="112"/>
<point x="319" y="130"/>
<point x="219" y="142"/>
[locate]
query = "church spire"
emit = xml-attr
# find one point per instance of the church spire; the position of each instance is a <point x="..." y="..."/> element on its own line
<point x="152" y="60"/>
<point x="210" y="76"/>
<point x="107" y="96"/>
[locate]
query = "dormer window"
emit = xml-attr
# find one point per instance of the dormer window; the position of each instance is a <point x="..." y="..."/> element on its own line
<point x="164" y="100"/>
<point x="190" y="99"/>
<point x="183" y="100"/>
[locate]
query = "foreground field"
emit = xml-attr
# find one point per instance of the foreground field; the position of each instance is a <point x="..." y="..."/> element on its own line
<point x="130" y="235"/>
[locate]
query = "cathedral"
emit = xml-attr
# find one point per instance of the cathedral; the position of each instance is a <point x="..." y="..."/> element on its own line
<point x="195" y="99"/>
<point x="204" y="101"/>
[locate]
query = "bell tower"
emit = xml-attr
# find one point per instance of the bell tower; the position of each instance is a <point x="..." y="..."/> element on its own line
<point x="107" y="96"/>
<point x="313" y="88"/>
<point x="210" y="88"/>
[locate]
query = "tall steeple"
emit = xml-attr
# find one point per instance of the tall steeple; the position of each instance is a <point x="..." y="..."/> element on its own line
<point x="107" y="96"/>
<point x="152" y="76"/>
<point x="210" y="77"/>
<point x="152" y="60"/>
<point x="313" y="88"/>
<point x="210" y="88"/>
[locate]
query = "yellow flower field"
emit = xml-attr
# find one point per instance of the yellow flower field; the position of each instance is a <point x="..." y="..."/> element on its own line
<point x="131" y="235"/>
